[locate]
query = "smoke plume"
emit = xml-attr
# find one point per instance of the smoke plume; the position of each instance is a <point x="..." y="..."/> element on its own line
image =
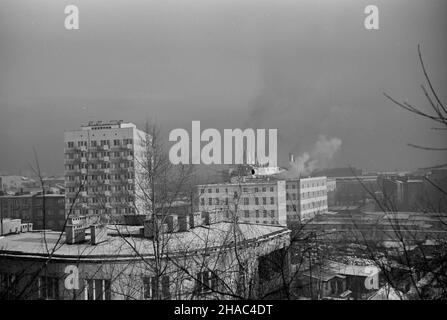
<point x="319" y="157"/>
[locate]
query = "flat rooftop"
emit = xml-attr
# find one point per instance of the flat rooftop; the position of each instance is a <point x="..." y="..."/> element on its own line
<point x="32" y="244"/>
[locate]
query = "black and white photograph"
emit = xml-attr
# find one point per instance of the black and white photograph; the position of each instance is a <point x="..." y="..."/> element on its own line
<point x="245" y="151"/>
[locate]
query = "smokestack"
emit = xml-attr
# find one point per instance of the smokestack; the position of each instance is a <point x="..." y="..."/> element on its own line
<point x="291" y="157"/>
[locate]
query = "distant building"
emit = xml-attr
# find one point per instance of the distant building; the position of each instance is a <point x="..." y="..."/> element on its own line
<point x="30" y="208"/>
<point x="102" y="170"/>
<point x="306" y="198"/>
<point x="331" y="279"/>
<point x="354" y="190"/>
<point x="379" y="228"/>
<point x="406" y="193"/>
<point x="252" y="201"/>
<point x="266" y="200"/>
<point x="331" y="189"/>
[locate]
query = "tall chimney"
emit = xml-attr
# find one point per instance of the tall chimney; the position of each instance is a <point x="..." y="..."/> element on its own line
<point x="291" y="157"/>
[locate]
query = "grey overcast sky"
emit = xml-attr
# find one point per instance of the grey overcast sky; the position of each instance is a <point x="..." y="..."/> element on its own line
<point x="304" y="67"/>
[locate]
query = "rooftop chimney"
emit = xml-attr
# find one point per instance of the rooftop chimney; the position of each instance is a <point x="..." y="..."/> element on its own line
<point x="98" y="233"/>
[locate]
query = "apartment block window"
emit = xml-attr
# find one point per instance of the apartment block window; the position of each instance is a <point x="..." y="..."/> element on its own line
<point x="217" y="201"/>
<point x="202" y="190"/>
<point x="97" y="289"/>
<point x="264" y="200"/>
<point x="256" y="201"/>
<point x="272" y="213"/>
<point x="104" y="143"/>
<point x="245" y="189"/>
<point x="70" y="144"/>
<point x="48" y="287"/>
<point x="206" y="282"/>
<point x="210" y="201"/>
<point x="272" y="189"/>
<point x="264" y="189"/>
<point x="210" y="190"/>
<point x="247" y="214"/>
<point x="226" y="201"/>
<point x="217" y="190"/>
<point x="116" y="142"/>
<point x="202" y="201"/>
<point x="256" y="189"/>
<point x="94" y="143"/>
<point x="265" y="213"/>
<point x="272" y="200"/>
<point x="257" y="213"/>
<point x="151" y="288"/>
<point x="246" y="201"/>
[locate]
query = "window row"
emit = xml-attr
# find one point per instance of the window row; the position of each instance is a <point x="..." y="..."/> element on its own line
<point x="96" y="143"/>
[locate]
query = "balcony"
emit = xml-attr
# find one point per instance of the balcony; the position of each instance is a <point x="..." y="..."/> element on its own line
<point x="105" y="147"/>
<point x="129" y="146"/>
<point x="107" y="170"/>
<point x="107" y="193"/>
<point x="105" y="158"/>
<point x="83" y="159"/>
<point x="83" y="171"/>
<point x="129" y="158"/>
<point x="83" y="149"/>
<point x="107" y="181"/>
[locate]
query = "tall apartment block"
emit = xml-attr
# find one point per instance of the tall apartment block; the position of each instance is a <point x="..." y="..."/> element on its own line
<point x="102" y="162"/>
<point x="266" y="200"/>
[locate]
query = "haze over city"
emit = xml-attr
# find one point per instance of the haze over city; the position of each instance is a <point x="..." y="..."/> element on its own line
<point x="306" y="68"/>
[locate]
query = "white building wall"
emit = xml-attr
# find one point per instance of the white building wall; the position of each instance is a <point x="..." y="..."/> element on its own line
<point x="260" y="202"/>
<point x="104" y="155"/>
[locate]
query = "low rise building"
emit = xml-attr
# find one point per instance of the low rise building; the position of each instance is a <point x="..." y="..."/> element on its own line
<point x="210" y="261"/>
<point x="44" y="212"/>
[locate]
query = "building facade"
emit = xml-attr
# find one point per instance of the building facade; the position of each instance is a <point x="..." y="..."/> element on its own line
<point x="102" y="167"/>
<point x="306" y="198"/>
<point x="200" y="264"/>
<point x="268" y="201"/>
<point x="43" y="213"/>
<point x="253" y="201"/>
